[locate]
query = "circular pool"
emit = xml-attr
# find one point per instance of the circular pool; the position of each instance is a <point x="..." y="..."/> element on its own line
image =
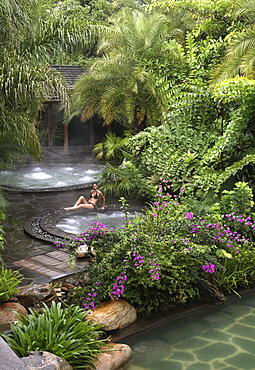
<point x="61" y="225"/>
<point x="45" y="176"/>
<point x="78" y="223"/>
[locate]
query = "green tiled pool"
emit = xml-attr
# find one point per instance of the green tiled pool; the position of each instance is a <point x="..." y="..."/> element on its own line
<point x="209" y="339"/>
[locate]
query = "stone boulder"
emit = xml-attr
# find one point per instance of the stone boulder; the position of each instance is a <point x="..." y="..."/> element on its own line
<point x="9" y="312"/>
<point x="113" y="315"/>
<point x="32" y="295"/>
<point x="117" y="357"/>
<point x="9" y="359"/>
<point x="85" y="251"/>
<point x="42" y="360"/>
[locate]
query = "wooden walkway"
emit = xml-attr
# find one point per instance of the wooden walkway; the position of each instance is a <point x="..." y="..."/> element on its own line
<point x="52" y="264"/>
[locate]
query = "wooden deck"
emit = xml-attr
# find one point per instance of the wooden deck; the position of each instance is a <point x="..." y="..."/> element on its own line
<point x="52" y="264"/>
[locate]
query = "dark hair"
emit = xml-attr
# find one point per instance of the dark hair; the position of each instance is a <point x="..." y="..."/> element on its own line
<point x="94" y="183"/>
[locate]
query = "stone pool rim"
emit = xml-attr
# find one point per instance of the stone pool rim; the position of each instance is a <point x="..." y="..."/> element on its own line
<point x="16" y="189"/>
<point x="43" y="227"/>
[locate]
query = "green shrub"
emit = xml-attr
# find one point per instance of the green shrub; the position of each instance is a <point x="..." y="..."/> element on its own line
<point x="238" y="200"/>
<point x="2" y="218"/>
<point x="9" y="281"/>
<point x="235" y="271"/>
<point x="154" y="261"/>
<point x="63" y="332"/>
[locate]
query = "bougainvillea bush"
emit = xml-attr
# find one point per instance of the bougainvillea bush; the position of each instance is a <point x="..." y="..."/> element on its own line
<point x="155" y="261"/>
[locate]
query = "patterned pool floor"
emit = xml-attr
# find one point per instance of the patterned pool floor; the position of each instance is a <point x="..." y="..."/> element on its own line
<point x="215" y="338"/>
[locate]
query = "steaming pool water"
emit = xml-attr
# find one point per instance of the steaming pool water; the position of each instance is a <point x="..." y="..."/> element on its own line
<point x="50" y="176"/>
<point x="208" y="339"/>
<point x="78" y="223"/>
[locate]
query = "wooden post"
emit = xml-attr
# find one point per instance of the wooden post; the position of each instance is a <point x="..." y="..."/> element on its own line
<point x="66" y="148"/>
<point x="91" y="133"/>
<point x="50" y="131"/>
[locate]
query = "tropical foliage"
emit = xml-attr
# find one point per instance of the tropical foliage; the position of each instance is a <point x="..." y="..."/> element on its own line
<point x="205" y="142"/>
<point x="239" y="59"/>
<point x="127" y="82"/>
<point x="112" y="148"/>
<point x="9" y="281"/>
<point x="29" y="43"/>
<point x="179" y="75"/>
<point x="158" y="260"/>
<point x="65" y="332"/>
<point x="2" y="218"/>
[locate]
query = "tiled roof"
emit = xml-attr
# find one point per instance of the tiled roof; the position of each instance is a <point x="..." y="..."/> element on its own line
<point x="70" y="73"/>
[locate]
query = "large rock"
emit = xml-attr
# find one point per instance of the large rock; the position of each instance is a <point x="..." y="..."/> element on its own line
<point x="9" y="359"/>
<point x="113" y="315"/>
<point x="32" y="295"/>
<point x="117" y="357"/>
<point x="42" y="360"/>
<point x="9" y="312"/>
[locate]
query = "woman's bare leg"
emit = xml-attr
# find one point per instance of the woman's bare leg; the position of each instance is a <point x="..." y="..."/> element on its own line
<point x="81" y="205"/>
<point x="81" y="200"/>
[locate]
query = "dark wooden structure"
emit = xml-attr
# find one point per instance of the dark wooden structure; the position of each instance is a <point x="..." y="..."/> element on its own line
<point x="52" y="131"/>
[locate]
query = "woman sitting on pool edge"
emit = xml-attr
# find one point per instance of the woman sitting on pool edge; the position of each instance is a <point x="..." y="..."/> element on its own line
<point x="82" y="202"/>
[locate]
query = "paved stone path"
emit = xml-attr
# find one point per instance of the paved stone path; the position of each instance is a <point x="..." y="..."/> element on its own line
<point x="19" y="245"/>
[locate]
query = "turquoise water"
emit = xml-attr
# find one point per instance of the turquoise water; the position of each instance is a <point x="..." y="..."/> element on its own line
<point x="209" y="339"/>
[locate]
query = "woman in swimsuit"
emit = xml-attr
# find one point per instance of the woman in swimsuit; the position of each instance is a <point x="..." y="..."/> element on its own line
<point x="82" y="202"/>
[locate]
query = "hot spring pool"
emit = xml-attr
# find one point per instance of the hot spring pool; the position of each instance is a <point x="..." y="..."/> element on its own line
<point x="78" y="223"/>
<point x="209" y="339"/>
<point x="50" y="176"/>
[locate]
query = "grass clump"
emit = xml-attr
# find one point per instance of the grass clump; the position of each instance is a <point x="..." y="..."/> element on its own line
<point x="63" y="332"/>
<point x="9" y="281"/>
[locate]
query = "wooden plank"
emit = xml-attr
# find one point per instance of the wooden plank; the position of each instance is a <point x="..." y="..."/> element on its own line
<point x="62" y="256"/>
<point x="37" y="268"/>
<point x="52" y="264"/>
<point x="47" y="260"/>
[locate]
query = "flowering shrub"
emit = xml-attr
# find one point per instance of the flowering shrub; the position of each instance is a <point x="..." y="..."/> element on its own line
<point x="155" y="261"/>
<point x="118" y="287"/>
<point x="96" y="230"/>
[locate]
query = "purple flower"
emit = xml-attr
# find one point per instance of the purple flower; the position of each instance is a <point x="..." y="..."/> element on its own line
<point x="210" y="268"/>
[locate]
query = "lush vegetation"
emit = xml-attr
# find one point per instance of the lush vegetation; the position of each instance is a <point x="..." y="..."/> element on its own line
<point x="179" y="77"/>
<point x="159" y="260"/>
<point x="170" y="73"/>
<point x="9" y="281"/>
<point x="65" y="332"/>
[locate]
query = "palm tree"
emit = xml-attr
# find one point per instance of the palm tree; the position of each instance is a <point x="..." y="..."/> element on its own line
<point x="127" y="82"/>
<point x="28" y="44"/>
<point x="240" y="53"/>
<point x="112" y="147"/>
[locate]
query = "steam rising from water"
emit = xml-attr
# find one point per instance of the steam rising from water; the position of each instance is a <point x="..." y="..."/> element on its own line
<point x="48" y="176"/>
<point x="78" y="223"/>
